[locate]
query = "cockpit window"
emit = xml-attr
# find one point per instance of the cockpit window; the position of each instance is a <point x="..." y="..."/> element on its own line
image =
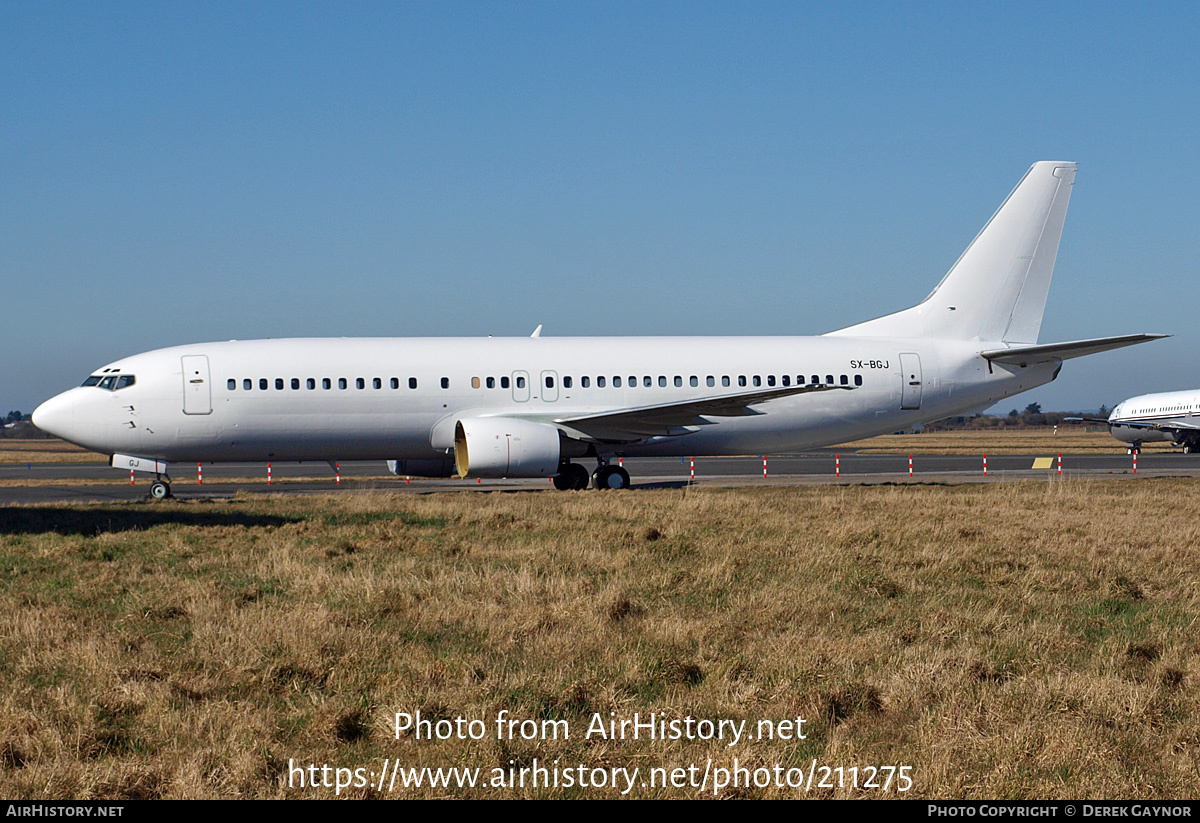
<point x="111" y="382"/>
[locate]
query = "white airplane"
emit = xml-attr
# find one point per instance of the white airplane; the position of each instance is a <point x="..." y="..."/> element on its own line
<point x="1173" y="416"/>
<point x="528" y="407"/>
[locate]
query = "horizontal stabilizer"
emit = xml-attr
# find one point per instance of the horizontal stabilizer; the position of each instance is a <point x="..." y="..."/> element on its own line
<point x="1029" y="355"/>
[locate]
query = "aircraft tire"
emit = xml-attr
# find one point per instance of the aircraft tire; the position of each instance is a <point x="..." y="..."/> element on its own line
<point x="571" y="477"/>
<point x="611" y="477"/>
<point x="160" y="490"/>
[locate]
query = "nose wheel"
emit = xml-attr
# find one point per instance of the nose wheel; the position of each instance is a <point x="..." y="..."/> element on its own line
<point x="160" y="490"/>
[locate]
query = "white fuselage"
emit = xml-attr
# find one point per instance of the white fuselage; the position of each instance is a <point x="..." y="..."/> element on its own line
<point x="357" y="399"/>
<point x="1175" y="412"/>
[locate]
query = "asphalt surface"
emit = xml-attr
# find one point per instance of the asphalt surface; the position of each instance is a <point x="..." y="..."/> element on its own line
<point x="70" y="483"/>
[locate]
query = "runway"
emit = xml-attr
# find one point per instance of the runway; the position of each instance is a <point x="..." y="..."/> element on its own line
<point x="89" y="482"/>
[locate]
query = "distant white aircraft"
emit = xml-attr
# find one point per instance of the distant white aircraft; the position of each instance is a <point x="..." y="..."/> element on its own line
<point x="528" y="407"/>
<point x="1173" y="416"/>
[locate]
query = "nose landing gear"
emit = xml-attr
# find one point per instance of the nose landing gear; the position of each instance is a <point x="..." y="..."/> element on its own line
<point x="160" y="489"/>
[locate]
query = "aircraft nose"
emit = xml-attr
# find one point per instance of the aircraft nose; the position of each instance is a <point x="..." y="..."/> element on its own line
<point x="56" y="416"/>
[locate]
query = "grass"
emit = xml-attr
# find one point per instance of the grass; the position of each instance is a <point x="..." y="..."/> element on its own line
<point x="1021" y="640"/>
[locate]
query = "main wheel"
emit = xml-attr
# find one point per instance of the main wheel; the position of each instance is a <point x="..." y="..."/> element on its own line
<point x="160" y="490"/>
<point x="611" y="477"/>
<point x="571" y="477"/>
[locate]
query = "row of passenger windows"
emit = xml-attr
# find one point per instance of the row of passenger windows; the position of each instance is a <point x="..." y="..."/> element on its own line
<point x="325" y="383"/>
<point x="710" y="381"/>
<point x="568" y="382"/>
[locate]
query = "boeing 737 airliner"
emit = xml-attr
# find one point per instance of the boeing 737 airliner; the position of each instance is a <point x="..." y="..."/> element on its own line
<point x="529" y="407"/>
<point x="1173" y="416"/>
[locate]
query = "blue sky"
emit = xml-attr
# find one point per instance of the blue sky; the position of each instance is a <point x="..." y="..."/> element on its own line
<point x="174" y="173"/>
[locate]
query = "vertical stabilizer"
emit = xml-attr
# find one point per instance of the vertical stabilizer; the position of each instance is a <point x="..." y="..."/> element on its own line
<point x="997" y="289"/>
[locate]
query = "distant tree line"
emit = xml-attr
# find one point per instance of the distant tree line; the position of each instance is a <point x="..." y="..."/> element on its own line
<point x="17" y="426"/>
<point x="1031" y="416"/>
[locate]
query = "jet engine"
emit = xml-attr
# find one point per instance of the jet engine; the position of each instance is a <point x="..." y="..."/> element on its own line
<point x="505" y="447"/>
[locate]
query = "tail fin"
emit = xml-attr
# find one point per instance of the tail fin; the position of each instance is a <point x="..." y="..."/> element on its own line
<point x="997" y="289"/>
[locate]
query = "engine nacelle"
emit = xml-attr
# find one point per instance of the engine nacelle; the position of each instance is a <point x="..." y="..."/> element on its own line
<point x="439" y="467"/>
<point x="505" y="447"/>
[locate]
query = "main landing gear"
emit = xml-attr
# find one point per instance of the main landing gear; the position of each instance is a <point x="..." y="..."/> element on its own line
<point x="571" y="477"/>
<point x="574" y="477"/>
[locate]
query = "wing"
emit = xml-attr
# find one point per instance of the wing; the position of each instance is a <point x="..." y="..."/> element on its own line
<point x="673" y="419"/>
<point x="1168" y="426"/>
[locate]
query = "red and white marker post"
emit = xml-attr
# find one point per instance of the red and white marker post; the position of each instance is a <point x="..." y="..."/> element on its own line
<point x="1060" y="464"/>
<point x="837" y="465"/>
<point x="268" y="474"/>
<point x="985" y="465"/>
<point x="764" y="467"/>
<point x="199" y="474"/>
<point x="131" y="477"/>
<point x="692" y="477"/>
<point x="1135" y="462"/>
<point x="337" y="470"/>
<point x="910" y="466"/>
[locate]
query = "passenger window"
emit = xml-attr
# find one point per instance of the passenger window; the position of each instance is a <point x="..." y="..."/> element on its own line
<point x="549" y="382"/>
<point x="616" y="382"/>
<point x="474" y="382"/>
<point x="520" y="382"/>
<point x="295" y="382"/>
<point x="662" y="381"/>
<point x="679" y="381"/>
<point x="311" y="383"/>
<point x="741" y="379"/>
<point x="566" y="382"/>
<point x="757" y="380"/>
<point x="377" y="383"/>
<point x="231" y="385"/>
<point x="725" y="380"/>
<point x="647" y="381"/>
<point x="585" y="382"/>
<point x="360" y="383"/>
<point x="341" y="382"/>
<point x="786" y="379"/>
<point x="710" y="381"/>
<point x="491" y="383"/>
<point x="395" y="383"/>
<point x="262" y="383"/>
<point x="326" y="383"/>
<point x="278" y="384"/>
<point x="412" y="382"/>
<point x="504" y="382"/>
<point x="445" y="382"/>
<point x="600" y="382"/>
<point x="815" y="379"/>
<point x="770" y="380"/>
<point x="829" y="379"/>
<point x="694" y="381"/>
<point x="247" y="384"/>
<point x="844" y="380"/>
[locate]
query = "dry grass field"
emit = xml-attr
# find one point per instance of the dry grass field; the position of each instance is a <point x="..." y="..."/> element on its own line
<point x="46" y="451"/>
<point x="1041" y="440"/>
<point x="1019" y="640"/>
<point x="1068" y="440"/>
